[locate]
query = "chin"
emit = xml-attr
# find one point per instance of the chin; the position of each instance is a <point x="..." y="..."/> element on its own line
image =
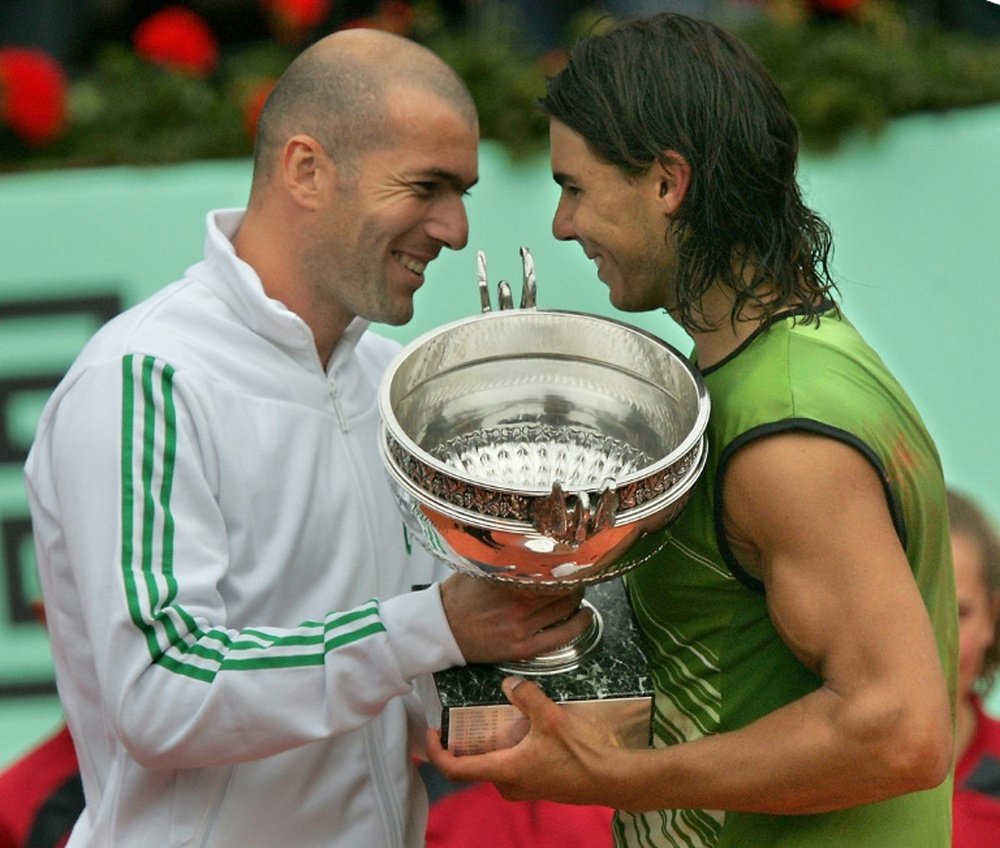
<point x="623" y="304"/>
<point x="400" y="316"/>
<point x="614" y="296"/>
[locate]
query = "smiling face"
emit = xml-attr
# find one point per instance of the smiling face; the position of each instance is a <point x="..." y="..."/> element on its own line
<point x="621" y="223"/>
<point x="393" y="208"/>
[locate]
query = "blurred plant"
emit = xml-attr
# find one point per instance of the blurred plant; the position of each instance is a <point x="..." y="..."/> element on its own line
<point x="855" y="74"/>
<point x="292" y="21"/>
<point x="846" y="66"/>
<point x="396" y="16"/>
<point x="506" y="87"/>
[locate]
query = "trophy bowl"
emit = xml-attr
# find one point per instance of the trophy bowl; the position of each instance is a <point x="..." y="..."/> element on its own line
<point x="538" y="447"/>
<point x="535" y="446"/>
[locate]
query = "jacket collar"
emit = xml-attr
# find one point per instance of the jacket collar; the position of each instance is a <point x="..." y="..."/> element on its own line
<point x="237" y="284"/>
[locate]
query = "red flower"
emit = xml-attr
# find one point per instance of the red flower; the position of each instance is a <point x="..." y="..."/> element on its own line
<point x="177" y="38"/>
<point x="297" y="14"/>
<point x="835" y="7"/>
<point x="32" y="94"/>
<point x="254" y="104"/>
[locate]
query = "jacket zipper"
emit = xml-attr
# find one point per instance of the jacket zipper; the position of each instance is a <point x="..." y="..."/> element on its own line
<point x="382" y="783"/>
<point x="212" y="813"/>
<point x="332" y="387"/>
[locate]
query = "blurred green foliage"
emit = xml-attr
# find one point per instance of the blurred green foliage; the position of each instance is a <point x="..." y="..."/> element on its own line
<point x="841" y="76"/>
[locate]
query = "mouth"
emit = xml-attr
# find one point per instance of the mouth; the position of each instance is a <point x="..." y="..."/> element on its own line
<point x="598" y="261"/>
<point x="411" y="263"/>
<point x="592" y="255"/>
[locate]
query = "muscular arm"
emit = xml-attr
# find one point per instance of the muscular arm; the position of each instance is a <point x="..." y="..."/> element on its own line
<point x="808" y="514"/>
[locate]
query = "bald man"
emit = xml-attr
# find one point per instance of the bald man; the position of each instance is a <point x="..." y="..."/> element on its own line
<point x="227" y="578"/>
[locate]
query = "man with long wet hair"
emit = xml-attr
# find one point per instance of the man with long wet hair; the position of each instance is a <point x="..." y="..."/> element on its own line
<point x="801" y="617"/>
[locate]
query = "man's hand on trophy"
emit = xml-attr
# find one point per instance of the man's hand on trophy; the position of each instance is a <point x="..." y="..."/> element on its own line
<point x="495" y="622"/>
<point x="564" y="756"/>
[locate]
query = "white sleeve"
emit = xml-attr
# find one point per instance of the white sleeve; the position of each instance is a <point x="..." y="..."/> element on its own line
<point x="134" y="550"/>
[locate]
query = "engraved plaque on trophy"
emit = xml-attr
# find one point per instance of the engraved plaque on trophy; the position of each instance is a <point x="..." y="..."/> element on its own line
<point x="544" y="449"/>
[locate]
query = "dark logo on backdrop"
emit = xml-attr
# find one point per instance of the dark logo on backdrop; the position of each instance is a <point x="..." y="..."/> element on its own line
<point x="25" y="386"/>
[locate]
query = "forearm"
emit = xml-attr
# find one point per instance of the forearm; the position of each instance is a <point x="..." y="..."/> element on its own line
<point x="229" y="697"/>
<point x="817" y="754"/>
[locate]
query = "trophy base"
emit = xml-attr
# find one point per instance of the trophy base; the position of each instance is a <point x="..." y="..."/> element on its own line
<point x="610" y="685"/>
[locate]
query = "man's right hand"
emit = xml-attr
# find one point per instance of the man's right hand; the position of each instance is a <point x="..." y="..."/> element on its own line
<point x="494" y="622"/>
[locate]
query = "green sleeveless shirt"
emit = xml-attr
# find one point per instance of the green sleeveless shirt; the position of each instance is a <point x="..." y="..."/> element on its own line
<point x="716" y="659"/>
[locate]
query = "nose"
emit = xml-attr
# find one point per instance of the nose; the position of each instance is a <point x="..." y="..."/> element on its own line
<point x="562" y="223"/>
<point x="450" y="224"/>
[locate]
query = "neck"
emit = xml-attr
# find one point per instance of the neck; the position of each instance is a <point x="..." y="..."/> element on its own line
<point x="724" y="335"/>
<point x="261" y="243"/>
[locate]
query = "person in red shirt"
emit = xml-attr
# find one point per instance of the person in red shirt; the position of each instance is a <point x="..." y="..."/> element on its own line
<point x="41" y="795"/>
<point x="976" y="552"/>
<point x="478" y="815"/>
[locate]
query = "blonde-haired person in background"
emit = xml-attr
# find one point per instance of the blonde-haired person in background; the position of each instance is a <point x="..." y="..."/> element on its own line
<point x="976" y="551"/>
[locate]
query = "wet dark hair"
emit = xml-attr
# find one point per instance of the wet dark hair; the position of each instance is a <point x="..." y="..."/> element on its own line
<point x="673" y="83"/>
<point x="968" y="519"/>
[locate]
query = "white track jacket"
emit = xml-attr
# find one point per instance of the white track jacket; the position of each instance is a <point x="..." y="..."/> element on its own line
<point x="227" y="578"/>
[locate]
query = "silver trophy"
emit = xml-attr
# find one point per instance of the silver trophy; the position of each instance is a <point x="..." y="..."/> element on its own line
<point x="537" y="447"/>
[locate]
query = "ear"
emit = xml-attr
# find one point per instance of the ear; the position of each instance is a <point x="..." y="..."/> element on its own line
<point x="306" y="170"/>
<point x="673" y="176"/>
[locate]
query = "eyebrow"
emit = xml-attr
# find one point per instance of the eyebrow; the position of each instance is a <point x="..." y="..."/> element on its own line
<point x="454" y="180"/>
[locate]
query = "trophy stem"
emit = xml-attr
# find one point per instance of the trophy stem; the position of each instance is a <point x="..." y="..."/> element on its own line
<point x="565" y="658"/>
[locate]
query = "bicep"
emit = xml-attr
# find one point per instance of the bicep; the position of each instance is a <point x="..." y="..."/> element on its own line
<point x="813" y="512"/>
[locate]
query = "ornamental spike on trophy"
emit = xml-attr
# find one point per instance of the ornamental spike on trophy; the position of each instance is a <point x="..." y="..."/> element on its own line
<point x="544" y="449"/>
